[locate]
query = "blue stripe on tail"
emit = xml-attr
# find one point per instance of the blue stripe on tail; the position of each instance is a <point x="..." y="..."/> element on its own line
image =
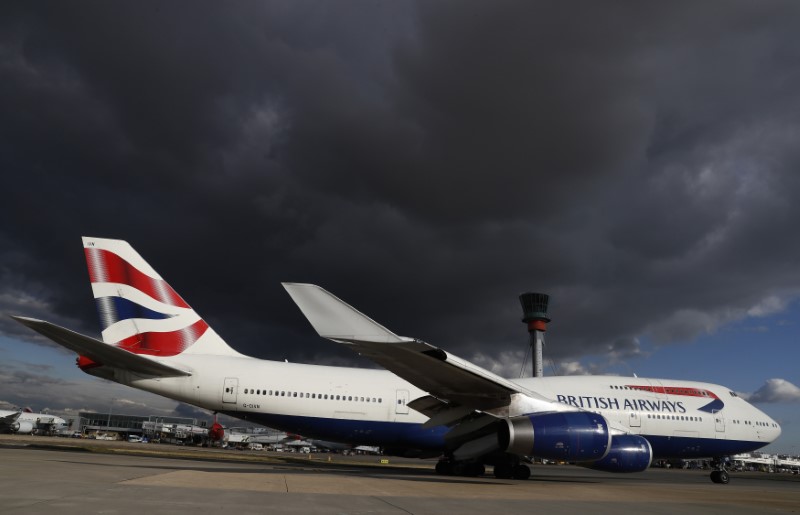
<point x="114" y="309"/>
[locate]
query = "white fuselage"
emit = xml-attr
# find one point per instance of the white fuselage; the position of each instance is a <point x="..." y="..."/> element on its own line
<point x="366" y="406"/>
<point x="27" y="422"/>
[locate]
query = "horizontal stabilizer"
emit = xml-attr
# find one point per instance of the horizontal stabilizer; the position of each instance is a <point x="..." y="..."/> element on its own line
<point x="100" y="352"/>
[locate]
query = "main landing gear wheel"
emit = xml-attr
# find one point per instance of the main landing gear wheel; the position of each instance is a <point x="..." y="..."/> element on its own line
<point x="503" y="471"/>
<point x="521" y="472"/>
<point x="444" y="468"/>
<point x="509" y="471"/>
<point x="460" y="468"/>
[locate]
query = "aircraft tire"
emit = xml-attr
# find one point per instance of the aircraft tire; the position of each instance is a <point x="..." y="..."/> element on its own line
<point x="720" y="476"/>
<point x="521" y="472"/>
<point x="444" y="468"/>
<point x="503" y="471"/>
<point x="474" y="470"/>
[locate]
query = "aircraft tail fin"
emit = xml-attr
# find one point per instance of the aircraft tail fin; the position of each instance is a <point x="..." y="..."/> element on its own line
<point x="139" y="311"/>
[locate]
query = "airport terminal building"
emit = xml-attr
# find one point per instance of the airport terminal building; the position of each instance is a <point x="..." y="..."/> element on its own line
<point x="121" y="426"/>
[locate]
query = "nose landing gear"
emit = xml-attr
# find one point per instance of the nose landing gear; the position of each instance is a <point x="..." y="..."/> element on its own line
<point x="719" y="474"/>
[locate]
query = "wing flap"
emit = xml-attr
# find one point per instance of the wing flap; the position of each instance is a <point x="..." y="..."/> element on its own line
<point x="100" y="352"/>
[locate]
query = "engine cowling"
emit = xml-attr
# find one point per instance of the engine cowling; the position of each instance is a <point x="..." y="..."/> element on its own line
<point x="569" y="436"/>
<point x="22" y="427"/>
<point x="629" y="453"/>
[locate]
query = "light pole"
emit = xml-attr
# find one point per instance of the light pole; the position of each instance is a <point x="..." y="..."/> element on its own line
<point x="108" y="422"/>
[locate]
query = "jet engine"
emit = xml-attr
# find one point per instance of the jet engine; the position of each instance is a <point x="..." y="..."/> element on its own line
<point x="568" y="436"/>
<point x="22" y="427"/>
<point x="629" y="453"/>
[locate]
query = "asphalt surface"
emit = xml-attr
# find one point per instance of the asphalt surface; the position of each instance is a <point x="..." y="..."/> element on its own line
<point x="70" y="476"/>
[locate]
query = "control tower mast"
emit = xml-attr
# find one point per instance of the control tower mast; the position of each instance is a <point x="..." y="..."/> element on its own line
<point x="534" y="309"/>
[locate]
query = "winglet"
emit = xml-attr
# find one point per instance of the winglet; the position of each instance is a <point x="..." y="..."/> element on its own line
<point x="333" y="318"/>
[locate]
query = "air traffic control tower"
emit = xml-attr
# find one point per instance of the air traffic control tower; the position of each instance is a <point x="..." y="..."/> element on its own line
<point x="534" y="309"/>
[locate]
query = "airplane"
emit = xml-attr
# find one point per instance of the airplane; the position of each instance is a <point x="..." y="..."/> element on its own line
<point x="426" y="402"/>
<point x="26" y="422"/>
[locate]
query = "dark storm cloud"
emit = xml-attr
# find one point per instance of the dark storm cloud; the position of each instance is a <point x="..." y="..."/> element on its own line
<point x="425" y="162"/>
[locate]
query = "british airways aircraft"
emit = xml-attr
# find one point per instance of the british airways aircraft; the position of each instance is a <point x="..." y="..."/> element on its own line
<point x="427" y="402"/>
<point x="27" y="422"/>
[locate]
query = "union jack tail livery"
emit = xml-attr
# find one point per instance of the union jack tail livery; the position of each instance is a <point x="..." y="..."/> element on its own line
<point x="139" y="311"/>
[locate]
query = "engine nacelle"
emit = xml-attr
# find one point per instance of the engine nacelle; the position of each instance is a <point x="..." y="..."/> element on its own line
<point x="567" y="436"/>
<point x="629" y="453"/>
<point x="22" y="427"/>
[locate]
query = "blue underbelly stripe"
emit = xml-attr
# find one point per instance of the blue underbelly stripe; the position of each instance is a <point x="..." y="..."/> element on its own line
<point x="399" y="434"/>
<point x="360" y="432"/>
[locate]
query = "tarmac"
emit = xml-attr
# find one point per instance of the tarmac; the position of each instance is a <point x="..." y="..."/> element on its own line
<point x="70" y="476"/>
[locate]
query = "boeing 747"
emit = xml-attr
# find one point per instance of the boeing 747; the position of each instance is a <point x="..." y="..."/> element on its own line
<point x="426" y="402"/>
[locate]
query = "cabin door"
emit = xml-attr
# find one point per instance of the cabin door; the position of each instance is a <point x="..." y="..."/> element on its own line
<point x="229" y="389"/>
<point x="401" y="407"/>
<point x="719" y="423"/>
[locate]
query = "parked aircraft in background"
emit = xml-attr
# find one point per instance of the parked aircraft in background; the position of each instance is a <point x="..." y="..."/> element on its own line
<point x="427" y="402"/>
<point x="25" y="422"/>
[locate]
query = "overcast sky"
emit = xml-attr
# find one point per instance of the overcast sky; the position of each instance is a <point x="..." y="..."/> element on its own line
<point x="426" y="162"/>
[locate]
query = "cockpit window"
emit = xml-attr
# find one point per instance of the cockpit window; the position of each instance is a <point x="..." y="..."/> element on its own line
<point x="733" y="394"/>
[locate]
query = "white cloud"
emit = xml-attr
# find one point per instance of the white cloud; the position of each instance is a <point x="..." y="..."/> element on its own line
<point x="572" y="368"/>
<point x="506" y="364"/>
<point x="775" y="390"/>
<point x="768" y="306"/>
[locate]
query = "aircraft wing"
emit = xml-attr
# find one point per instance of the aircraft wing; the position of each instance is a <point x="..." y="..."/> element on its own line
<point x="7" y="420"/>
<point x="100" y="352"/>
<point x="454" y="383"/>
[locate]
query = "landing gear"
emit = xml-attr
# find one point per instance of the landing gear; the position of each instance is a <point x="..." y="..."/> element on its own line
<point x="512" y="469"/>
<point x="506" y="467"/>
<point x="719" y="474"/>
<point x="448" y="467"/>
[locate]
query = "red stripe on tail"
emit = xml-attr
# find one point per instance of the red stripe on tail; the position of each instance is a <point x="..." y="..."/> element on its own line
<point x="107" y="267"/>
<point x="164" y="344"/>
